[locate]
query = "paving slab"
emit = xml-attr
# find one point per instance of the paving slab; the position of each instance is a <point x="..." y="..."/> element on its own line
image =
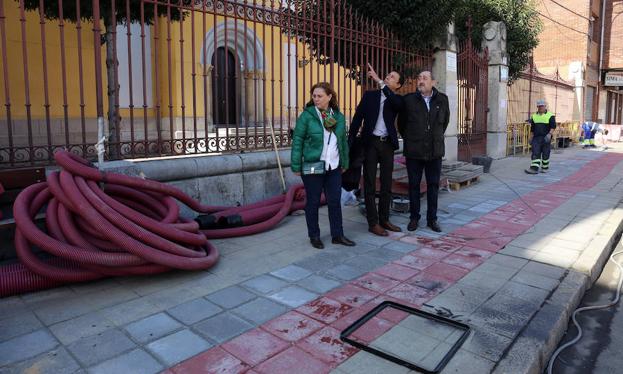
<point x="103" y="346"/>
<point x="137" y="361"/>
<point x="152" y="327"/>
<point x="178" y="346"/>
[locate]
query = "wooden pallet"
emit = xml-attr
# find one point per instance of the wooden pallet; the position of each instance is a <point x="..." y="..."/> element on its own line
<point x="455" y="186"/>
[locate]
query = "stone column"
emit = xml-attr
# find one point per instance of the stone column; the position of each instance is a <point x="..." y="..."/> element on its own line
<point x="495" y="40"/>
<point x="445" y="73"/>
<point x="576" y="74"/>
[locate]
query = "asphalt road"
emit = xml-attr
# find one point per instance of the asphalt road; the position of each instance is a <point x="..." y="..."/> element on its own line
<point x="599" y="350"/>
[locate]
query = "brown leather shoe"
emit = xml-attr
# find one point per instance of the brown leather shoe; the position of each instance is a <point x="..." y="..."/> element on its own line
<point x="390" y="226"/>
<point x="377" y="230"/>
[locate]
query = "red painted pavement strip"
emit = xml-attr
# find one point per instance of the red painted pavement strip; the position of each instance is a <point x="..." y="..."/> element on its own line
<point x="376" y="282"/>
<point x="474" y="252"/>
<point x="295" y="361"/>
<point x="352" y="295"/>
<point x="273" y="354"/>
<point x="213" y="361"/>
<point x="255" y="346"/>
<point x="415" y="262"/>
<point x="325" y="310"/>
<point x="411" y="294"/>
<point x="432" y="253"/>
<point x="292" y="326"/>
<point x="396" y="271"/>
<point x="430" y="281"/>
<point x="372" y="329"/>
<point x="449" y="272"/>
<point x="465" y="262"/>
<point x="327" y="346"/>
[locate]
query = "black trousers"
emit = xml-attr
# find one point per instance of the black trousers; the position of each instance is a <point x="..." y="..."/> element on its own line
<point x="540" y="153"/>
<point x="432" y="169"/>
<point x="381" y="153"/>
<point x="331" y="184"/>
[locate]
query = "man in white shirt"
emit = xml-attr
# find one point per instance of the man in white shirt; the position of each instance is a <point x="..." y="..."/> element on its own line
<point x="377" y="112"/>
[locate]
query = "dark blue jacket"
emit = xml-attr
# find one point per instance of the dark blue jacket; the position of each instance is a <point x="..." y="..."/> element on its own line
<point x="368" y="112"/>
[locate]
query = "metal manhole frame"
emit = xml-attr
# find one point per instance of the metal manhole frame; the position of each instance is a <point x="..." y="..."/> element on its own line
<point x="344" y="335"/>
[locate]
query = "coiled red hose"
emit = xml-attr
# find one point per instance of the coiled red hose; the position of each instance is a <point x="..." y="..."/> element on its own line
<point x="126" y="226"/>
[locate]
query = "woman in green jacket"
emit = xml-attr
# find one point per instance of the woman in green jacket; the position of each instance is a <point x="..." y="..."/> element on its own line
<point x="320" y="155"/>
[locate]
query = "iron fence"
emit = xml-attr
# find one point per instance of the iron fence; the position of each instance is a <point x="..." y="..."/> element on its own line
<point x="178" y="77"/>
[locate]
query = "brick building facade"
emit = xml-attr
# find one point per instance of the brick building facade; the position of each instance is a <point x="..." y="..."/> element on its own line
<point x="570" y="43"/>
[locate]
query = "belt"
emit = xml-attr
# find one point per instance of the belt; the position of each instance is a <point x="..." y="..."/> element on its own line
<point x="381" y="138"/>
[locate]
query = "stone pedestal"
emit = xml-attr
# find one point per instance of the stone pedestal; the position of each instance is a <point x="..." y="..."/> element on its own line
<point x="495" y="41"/>
<point x="445" y="73"/>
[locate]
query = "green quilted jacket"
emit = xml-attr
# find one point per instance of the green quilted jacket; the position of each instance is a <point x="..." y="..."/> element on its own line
<point x="308" y="139"/>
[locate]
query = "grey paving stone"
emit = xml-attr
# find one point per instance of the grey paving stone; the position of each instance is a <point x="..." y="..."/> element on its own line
<point x="95" y="349"/>
<point x="375" y="240"/>
<point x="523" y="292"/>
<point x="345" y="272"/>
<point x="484" y="343"/>
<point x="427" y="327"/>
<point x="264" y="284"/>
<point x="545" y="270"/>
<point x="293" y="296"/>
<point x="401" y="247"/>
<point x="367" y="263"/>
<point x="20" y="324"/>
<point x="433" y="358"/>
<point x="406" y="344"/>
<point x="318" y="284"/>
<point x="152" y="327"/>
<point x="291" y="273"/>
<point x="26" y="346"/>
<point x="231" y="297"/>
<point x="130" y="311"/>
<point x="464" y="362"/>
<point x="178" y="347"/>
<point x="315" y="263"/>
<point x="385" y="254"/>
<point x="507" y="261"/>
<point x="498" y="322"/>
<point x="536" y="280"/>
<point x="56" y="361"/>
<point x="135" y="362"/>
<point x="222" y="327"/>
<point x="260" y="310"/>
<point x="89" y="324"/>
<point x="12" y="306"/>
<point x="364" y="362"/>
<point x="194" y="311"/>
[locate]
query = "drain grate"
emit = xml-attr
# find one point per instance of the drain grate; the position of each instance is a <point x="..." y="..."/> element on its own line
<point x="406" y="336"/>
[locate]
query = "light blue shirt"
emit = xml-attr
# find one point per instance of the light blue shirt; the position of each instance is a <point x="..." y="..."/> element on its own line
<point x="427" y="100"/>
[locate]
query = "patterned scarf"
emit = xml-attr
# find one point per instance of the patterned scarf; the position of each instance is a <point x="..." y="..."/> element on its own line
<point x="328" y="120"/>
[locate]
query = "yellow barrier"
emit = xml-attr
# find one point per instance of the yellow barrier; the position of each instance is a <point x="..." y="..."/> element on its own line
<point x="518" y="136"/>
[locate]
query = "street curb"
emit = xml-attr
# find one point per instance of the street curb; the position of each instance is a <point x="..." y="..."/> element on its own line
<point x="530" y="352"/>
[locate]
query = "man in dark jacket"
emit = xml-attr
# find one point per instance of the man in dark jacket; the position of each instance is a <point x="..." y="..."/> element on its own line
<point x="379" y="139"/>
<point x="422" y="123"/>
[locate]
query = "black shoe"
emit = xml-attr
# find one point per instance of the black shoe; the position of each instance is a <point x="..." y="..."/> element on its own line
<point x="316" y="243"/>
<point x="343" y="241"/>
<point x="434" y="226"/>
<point x="532" y="171"/>
<point x="412" y="226"/>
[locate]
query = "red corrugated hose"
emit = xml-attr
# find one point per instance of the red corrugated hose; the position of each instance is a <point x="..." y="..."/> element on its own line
<point x="101" y="224"/>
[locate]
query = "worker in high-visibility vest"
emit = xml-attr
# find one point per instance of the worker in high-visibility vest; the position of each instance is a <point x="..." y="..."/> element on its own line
<point x="590" y="129"/>
<point x="542" y="125"/>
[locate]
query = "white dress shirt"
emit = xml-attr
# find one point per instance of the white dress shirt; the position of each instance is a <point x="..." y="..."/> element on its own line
<point x="380" y="129"/>
<point x="330" y="152"/>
